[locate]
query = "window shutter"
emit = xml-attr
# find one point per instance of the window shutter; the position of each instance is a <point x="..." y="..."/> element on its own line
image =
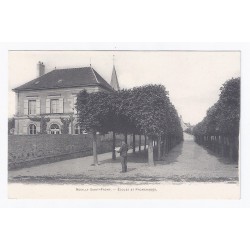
<point x="25" y="107"/>
<point x="74" y="104"/>
<point x="38" y="128"/>
<point x="47" y="106"/>
<point x="38" y="107"/>
<point x="71" y="104"/>
<point x="25" y="132"/>
<point x="60" y="105"/>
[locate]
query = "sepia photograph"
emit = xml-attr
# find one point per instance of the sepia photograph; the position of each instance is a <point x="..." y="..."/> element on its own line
<point x="124" y="124"/>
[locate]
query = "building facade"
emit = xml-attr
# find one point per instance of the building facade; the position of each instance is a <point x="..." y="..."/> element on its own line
<point x="46" y="105"/>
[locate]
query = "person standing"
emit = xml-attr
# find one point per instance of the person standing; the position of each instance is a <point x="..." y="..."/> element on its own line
<point x="124" y="155"/>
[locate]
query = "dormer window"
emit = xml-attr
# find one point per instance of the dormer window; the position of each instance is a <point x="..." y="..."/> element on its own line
<point x="36" y="82"/>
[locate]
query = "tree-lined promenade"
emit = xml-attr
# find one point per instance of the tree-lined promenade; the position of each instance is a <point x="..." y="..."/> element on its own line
<point x="148" y="113"/>
<point x="188" y="162"/>
<point x="219" y="130"/>
<point x="145" y="111"/>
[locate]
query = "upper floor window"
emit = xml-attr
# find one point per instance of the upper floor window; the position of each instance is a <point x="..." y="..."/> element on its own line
<point x="54" y="106"/>
<point x="32" y="107"/>
<point x="32" y="129"/>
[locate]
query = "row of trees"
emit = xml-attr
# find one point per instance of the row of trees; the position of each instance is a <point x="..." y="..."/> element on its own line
<point x="219" y="130"/>
<point x="144" y="110"/>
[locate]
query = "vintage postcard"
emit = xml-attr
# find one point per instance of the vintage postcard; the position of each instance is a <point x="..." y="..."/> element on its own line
<point x="117" y="124"/>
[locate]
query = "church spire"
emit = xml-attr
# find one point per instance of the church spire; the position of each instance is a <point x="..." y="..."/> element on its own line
<point x="114" y="80"/>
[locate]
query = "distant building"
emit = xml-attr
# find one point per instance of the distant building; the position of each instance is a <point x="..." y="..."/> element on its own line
<point x="47" y="103"/>
<point x="183" y="125"/>
<point x="186" y="126"/>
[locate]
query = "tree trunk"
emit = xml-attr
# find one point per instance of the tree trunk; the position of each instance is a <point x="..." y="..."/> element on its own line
<point x="159" y="148"/>
<point x="215" y="144"/>
<point x="164" y="146"/>
<point x="231" y="148"/>
<point x="72" y="126"/>
<point x="139" y="143"/>
<point x="167" y="144"/>
<point x="150" y="151"/>
<point x="126" y="138"/>
<point x="222" y="146"/>
<point x="133" y="143"/>
<point x="113" y="149"/>
<point x="237" y="148"/>
<point x="145" y="142"/>
<point x="95" y="149"/>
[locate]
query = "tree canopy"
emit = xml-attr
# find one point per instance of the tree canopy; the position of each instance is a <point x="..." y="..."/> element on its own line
<point x="224" y="116"/>
<point x="140" y="110"/>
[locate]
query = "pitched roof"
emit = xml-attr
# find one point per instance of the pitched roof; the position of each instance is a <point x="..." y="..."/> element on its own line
<point x="114" y="80"/>
<point x="66" y="78"/>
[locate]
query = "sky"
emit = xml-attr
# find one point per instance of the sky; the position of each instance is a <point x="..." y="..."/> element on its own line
<point x="193" y="79"/>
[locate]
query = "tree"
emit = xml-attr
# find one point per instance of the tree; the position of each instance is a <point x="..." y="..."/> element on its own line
<point x="223" y="118"/>
<point x="147" y="110"/>
<point x="93" y="112"/>
<point x="142" y="110"/>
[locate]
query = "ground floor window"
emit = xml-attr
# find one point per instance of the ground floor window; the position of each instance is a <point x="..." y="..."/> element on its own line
<point x="54" y="129"/>
<point x="79" y="129"/>
<point x="32" y="129"/>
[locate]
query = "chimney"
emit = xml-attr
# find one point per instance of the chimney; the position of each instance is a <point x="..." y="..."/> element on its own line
<point x="41" y="68"/>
